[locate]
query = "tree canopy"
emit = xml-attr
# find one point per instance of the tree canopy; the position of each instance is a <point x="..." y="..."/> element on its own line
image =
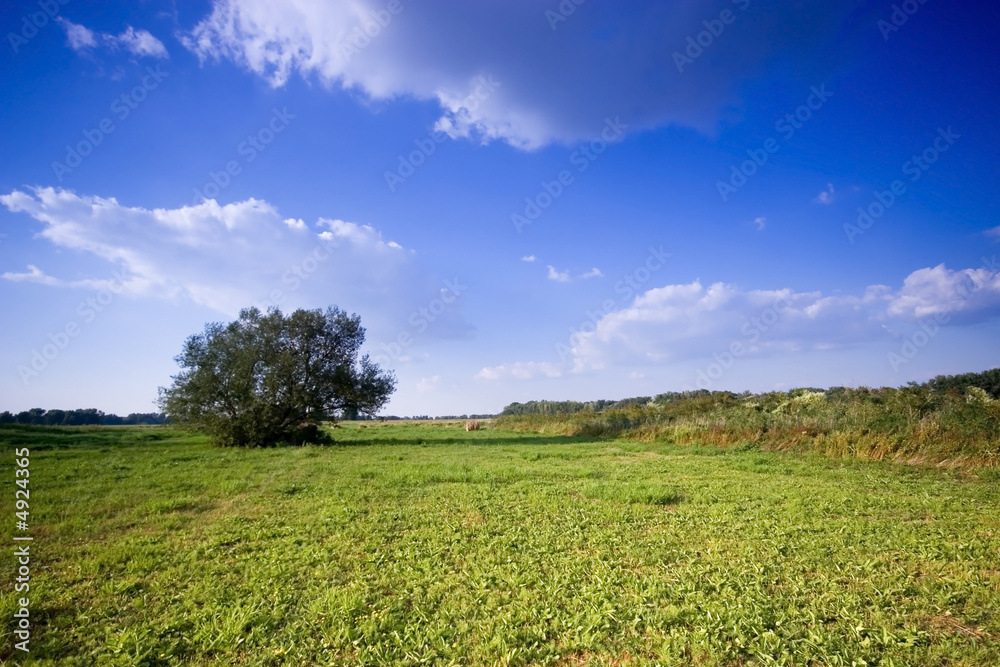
<point x="268" y="378"/>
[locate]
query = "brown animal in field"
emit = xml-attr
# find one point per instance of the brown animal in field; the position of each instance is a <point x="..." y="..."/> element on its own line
<point x="472" y="425"/>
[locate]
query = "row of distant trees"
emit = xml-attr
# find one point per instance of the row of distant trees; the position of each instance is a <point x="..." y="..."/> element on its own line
<point x="416" y="417"/>
<point x="80" y="417"/>
<point x="988" y="381"/>
<point x="572" y="407"/>
<point x="94" y="417"/>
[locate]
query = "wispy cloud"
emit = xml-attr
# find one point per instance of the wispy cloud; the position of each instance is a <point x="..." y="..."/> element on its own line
<point x="137" y="42"/>
<point x="565" y="277"/>
<point x="78" y="37"/>
<point x="826" y="196"/>
<point x="528" y="258"/>
<point x="428" y="384"/>
<point x="522" y="370"/>
<point x="36" y="275"/>
<point x="761" y="222"/>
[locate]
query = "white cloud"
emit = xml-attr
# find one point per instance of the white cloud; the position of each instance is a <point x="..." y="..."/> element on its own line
<point x="558" y="276"/>
<point x="528" y="258"/>
<point x="761" y="222"/>
<point x="940" y="291"/>
<point x="691" y="321"/>
<point x="636" y="375"/>
<point x="995" y="232"/>
<point x="521" y="370"/>
<point x="36" y="275"/>
<point x="593" y="273"/>
<point x="827" y="196"/>
<point x="77" y="36"/>
<point x="557" y="85"/>
<point x="137" y="42"/>
<point x="233" y="256"/>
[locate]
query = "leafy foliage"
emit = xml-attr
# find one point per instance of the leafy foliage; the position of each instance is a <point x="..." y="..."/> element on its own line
<point x="268" y="378"/>
<point x="988" y="381"/>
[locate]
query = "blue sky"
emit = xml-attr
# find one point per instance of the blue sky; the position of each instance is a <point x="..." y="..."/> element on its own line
<point x="522" y="200"/>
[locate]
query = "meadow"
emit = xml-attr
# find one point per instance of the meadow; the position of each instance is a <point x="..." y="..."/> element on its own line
<point x="418" y="543"/>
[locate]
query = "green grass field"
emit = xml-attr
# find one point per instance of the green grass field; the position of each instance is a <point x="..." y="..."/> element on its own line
<point x="421" y="543"/>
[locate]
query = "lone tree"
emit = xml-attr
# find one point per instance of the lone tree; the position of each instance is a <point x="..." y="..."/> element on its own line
<point x="267" y="378"/>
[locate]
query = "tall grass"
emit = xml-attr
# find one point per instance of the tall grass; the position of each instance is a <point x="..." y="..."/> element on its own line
<point x="906" y="424"/>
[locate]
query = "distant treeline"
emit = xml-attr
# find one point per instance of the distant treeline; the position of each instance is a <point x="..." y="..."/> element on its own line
<point x="80" y="417"/>
<point x="395" y="418"/>
<point x="94" y="417"/>
<point x="572" y="407"/>
<point x="988" y="381"/>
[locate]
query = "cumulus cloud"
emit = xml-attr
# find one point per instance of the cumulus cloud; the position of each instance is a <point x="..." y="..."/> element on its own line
<point x="233" y="256"/>
<point x="521" y="370"/>
<point x="593" y="273"/>
<point x="940" y="291"/>
<point x="528" y="258"/>
<point x="558" y="85"/>
<point x="690" y="321"/>
<point x="558" y="276"/>
<point x="137" y="42"/>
